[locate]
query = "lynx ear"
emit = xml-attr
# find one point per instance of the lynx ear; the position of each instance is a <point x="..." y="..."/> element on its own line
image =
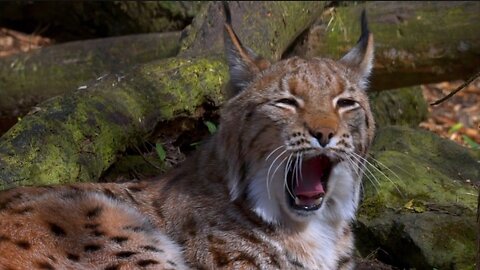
<point x="360" y="57"/>
<point x="243" y="63"/>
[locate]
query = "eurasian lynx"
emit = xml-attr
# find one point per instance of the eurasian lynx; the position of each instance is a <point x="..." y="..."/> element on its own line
<point x="275" y="188"/>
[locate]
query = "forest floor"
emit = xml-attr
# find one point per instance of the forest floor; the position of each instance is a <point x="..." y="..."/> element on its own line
<point x="457" y="119"/>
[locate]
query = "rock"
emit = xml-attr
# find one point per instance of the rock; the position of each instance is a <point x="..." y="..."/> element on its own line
<point x="424" y="215"/>
<point x="403" y="106"/>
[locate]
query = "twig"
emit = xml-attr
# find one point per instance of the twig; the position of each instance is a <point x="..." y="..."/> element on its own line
<point x="471" y="79"/>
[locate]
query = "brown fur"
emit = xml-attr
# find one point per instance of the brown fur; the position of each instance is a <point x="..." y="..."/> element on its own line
<point x="222" y="209"/>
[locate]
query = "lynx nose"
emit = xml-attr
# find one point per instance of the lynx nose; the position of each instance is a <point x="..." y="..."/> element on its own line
<point x="323" y="135"/>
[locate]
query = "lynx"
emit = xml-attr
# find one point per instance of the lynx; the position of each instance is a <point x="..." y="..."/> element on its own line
<point x="276" y="187"/>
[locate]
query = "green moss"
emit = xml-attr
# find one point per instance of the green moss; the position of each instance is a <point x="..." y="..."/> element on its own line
<point x="187" y="83"/>
<point x="405" y="106"/>
<point x="76" y="137"/>
<point x="274" y="42"/>
<point x="411" y="44"/>
<point x="417" y="165"/>
<point x="63" y="68"/>
<point x="268" y="31"/>
<point x="417" y="179"/>
<point x="424" y="213"/>
<point x="426" y="24"/>
<point x="456" y="240"/>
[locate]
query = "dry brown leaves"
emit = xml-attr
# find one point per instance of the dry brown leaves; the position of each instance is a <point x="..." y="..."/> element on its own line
<point x="12" y="42"/>
<point x="458" y="118"/>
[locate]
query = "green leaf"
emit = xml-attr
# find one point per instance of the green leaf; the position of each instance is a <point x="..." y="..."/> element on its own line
<point x="415" y="206"/>
<point x="471" y="142"/>
<point x="161" y="151"/>
<point x="195" y="144"/>
<point x="409" y="205"/>
<point x="455" y="128"/>
<point x="212" y="128"/>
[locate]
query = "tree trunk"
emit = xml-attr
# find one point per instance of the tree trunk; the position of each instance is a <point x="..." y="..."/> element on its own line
<point x="77" y="136"/>
<point x="29" y="78"/>
<point x="74" y="20"/>
<point x="416" y="42"/>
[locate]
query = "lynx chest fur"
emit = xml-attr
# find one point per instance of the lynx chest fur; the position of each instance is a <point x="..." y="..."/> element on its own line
<point x="275" y="188"/>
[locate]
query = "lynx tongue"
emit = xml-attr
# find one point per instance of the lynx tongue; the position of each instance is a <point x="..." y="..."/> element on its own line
<point x="310" y="188"/>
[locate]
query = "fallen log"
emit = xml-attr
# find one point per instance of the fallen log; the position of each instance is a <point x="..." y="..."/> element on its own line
<point x="416" y="42"/>
<point x="79" y="20"/>
<point x="29" y="78"/>
<point x="412" y="48"/>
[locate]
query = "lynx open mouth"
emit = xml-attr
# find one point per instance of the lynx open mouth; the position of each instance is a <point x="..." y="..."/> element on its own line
<point x="307" y="185"/>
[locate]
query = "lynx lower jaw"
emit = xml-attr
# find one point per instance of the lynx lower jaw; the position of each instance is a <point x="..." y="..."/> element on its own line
<point x="318" y="201"/>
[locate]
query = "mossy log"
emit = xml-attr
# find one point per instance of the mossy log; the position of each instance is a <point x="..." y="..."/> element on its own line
<point x="75" y="137"/>
<point x="29" y="78"/>
<point x="416" y="42"/>
<point x="402" y="107"/>
<point x="411" y="49"/>
<point x="272" y="24"/>
<point x="74" y="20"/>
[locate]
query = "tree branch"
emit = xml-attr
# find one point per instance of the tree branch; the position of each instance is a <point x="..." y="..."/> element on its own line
<point x="451" y="94"/>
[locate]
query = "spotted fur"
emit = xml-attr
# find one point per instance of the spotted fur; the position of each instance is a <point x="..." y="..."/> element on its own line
<point x="226" y="206"/>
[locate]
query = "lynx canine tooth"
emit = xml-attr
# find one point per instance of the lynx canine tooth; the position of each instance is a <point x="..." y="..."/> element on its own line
<point x="319" y="201"/>
<point x="297" y="201"/>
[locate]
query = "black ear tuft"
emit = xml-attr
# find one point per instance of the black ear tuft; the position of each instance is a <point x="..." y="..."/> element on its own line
<point x="360" y="57"/>
<point x="228" y="15"/>
<point x="243" y="63"/>
<point x="365" y="30"/>
<point x="363" y="40"/>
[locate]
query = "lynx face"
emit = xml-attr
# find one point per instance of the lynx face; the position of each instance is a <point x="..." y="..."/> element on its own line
<point x="305" y="128"/>
<point x="290" y="147"/>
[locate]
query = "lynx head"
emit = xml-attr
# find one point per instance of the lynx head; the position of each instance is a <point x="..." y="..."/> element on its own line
<point x="295" y="132"/>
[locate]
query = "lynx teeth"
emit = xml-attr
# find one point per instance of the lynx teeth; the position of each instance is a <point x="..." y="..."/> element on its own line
<point x="316" y="202"/>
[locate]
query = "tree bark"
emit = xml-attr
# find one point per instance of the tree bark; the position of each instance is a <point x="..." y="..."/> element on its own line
<point x="404" y="55"/>
<point x="77" y="136"/>
<point x="74" y="20"/>
<point x="416" y="42"/>
<point x="29" y="78"/>
<point x="276" y="26"/>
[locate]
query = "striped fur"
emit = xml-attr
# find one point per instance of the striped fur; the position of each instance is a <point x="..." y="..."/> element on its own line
<point x="227" y="206"/>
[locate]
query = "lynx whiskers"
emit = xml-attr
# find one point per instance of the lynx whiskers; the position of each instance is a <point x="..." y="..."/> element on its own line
<point x="276" y="187"/>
